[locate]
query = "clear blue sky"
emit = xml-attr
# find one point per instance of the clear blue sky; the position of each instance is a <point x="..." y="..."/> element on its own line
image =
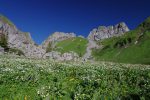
<point x="43" y="17"/>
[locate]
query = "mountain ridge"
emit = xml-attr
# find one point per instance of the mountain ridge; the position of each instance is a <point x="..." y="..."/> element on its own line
<point x="51" y="46"/>
<point x="132" y="47"/>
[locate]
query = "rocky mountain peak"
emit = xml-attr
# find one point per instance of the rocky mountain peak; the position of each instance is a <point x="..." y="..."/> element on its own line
<point x="57" y="36"/>
<point x="23" y="41"/>
<point x="103" y="32"/>
<point x="19" y="40"/>
<point x="6" y="21"/>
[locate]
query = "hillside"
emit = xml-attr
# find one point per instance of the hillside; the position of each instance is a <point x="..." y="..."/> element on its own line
<point x="132" y="47"/>
<point x="76" y="44"/>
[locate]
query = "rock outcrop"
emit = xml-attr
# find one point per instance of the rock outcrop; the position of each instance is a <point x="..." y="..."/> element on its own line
<point x="62" y="57"/>
<point x="103" y="32"/>
<point x="57" y="36"/>
<point x="19" y="40"/>
<point x="23" y="41"/>
<point x="70" y="56"/>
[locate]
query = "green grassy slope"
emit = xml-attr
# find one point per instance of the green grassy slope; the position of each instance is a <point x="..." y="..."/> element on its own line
<point x="6" y="20"/>
<point x="40" y="79"/>
<point x="77" y="45"/>
<point x="132" y="47"/>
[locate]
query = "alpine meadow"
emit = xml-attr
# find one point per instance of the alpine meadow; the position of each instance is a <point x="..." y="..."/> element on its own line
<point x="95" y="50"/>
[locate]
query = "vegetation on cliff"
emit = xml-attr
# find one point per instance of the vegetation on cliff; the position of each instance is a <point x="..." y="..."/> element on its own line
<point x="132" y="47"/>
<point x="76" y="44"/>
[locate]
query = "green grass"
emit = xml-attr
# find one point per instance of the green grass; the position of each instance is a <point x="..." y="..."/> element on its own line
<point x="77" y="45"/>
<point x="6" y="20"/>
<point x="3" y="41"/>
<point x="125" y="49"/>
<point x="127" y="52"/>
<point x="38" y="79"/>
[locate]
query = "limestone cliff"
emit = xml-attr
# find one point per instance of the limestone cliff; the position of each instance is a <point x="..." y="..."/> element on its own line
<point x="18" y="39"/>
<point x="103" y="32"/>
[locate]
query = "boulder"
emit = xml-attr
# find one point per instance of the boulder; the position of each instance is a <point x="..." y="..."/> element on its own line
<point x="62" y="57"/>
<point x="70" y="56"/>
<point x="53" y="55"/>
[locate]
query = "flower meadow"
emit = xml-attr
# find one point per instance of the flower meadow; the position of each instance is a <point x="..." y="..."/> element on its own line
<point x="45" y="79"/>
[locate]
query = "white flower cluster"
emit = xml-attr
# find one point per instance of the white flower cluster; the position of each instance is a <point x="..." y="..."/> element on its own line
<point x="28" y="69"/>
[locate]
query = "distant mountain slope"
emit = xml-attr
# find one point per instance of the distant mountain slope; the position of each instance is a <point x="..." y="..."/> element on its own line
<point x="76" y="44"/>
<point x="132" y="47"/>
<point x="116" y="43"/>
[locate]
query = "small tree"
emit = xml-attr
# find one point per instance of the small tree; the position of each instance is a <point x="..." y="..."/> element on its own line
<point x="49" y="47"/>
<point x="3" y="42"/>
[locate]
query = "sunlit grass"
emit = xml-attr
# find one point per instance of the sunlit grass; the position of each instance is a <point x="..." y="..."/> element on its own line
<point x="29" y="79"/>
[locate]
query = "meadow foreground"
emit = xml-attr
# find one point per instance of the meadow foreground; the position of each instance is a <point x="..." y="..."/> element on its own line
<point x="30" y="79"/>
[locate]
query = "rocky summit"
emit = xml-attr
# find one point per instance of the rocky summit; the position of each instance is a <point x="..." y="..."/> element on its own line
<point x="19" y="40"/>
<point x="57" y="36"/>
<point x="103" y="32"/>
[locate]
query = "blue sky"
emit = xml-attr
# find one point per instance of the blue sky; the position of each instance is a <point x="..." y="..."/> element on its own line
<point x="43" y="17"/>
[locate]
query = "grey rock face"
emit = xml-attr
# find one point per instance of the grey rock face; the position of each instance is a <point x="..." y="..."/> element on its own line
<point x="81" y="36"/>
<point x="62" y="57"/>
<point x="57" y="36"/>
<point x="20" y="40"/>
<point x="52" y="55"/>
<point x="70" y="56"/>
<point x="104" y="32"/>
